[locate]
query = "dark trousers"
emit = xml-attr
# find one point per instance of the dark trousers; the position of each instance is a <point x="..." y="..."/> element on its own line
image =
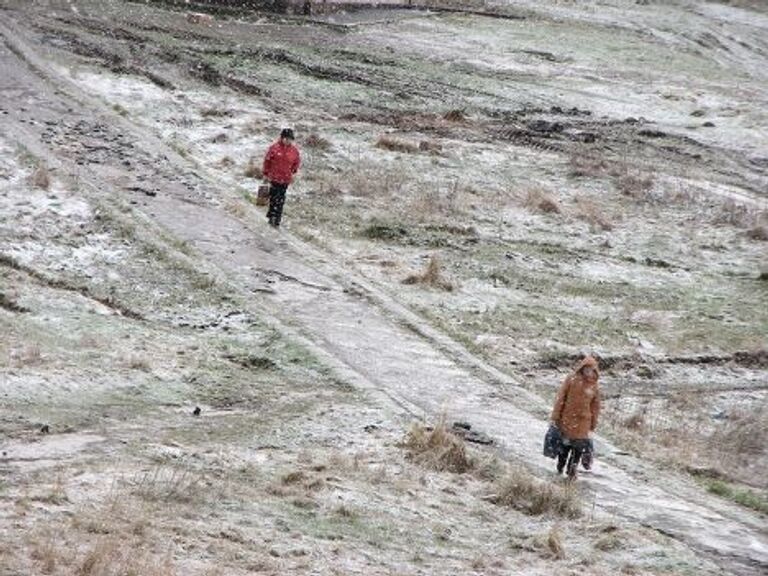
<point x="571" y="454"/>
<point x="276" y="201"/>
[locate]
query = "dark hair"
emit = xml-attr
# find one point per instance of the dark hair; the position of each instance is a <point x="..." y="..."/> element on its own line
<point x="287" y="133"/>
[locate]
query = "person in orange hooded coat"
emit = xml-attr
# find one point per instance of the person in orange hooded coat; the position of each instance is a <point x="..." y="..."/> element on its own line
<point x="575" y="414"/>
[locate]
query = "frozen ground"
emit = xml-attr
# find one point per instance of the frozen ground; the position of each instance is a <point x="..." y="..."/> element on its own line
<point x="139" y="283"/>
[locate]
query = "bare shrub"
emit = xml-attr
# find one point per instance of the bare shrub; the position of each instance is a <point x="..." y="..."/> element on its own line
<point x="253" y="169"/>
<point x="317" y="142"/>
<point x="438" y="448"/>
<point x="41" y="178"/>
<point x="634" y="184"/>
<point x="540" y="200"/>
<point x="590" y="213"/>
<point x="432" y="276"/>
<point x="226" y="162"/>
<point x="587" y="165"/>
<point x="396" y="145"/>
<point x="519" y="489"/>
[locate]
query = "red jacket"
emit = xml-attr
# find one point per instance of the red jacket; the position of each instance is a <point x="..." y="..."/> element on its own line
<point x="281" y="162"/>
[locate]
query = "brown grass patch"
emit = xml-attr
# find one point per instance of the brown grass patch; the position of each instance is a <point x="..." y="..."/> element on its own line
<point x="317" y="142"/>
<point x="745" y="434"/>
<point x="555" y="543"/>
<point x="430" y="146"/>
<point x="455" y="115"/>
<point x="587" y="165"/>
<point x="590" y="213"/>
<point x="214" y="112"/>
<point x="41" y="178"/>
<point x="520" y="490"/>
<point x="396" y="145"/>
<point x="634" y="184"/>
<point x="111" y="557"/>
<point x="438" y="448"/>
<point x="540" y="200"/>
<point x="432" y="276"/>
<point x="253" y="169"/>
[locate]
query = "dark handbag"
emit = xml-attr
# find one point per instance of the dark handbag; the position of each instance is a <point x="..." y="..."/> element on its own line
<point x="262" y="196"/>
<point x="553" y="442"/>
<point x="589" y="455"/>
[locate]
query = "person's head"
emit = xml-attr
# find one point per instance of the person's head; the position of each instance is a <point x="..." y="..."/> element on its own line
<point x="286" y="136"/>
<point x="589" y="369"/>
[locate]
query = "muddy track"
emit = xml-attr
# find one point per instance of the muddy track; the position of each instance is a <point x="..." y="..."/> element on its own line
<point x="362" y="338"/>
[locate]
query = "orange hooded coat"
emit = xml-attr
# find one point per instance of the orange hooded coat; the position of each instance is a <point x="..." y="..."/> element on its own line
<point x="578" y="403"/>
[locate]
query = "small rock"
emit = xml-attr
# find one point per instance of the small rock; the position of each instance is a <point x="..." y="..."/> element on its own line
<point x="708" y="124"/>
<point x="45" y="429"/>
<point x="719" y="414"/>
<point x="370" y="428"/>
<point x="196" y="411"/>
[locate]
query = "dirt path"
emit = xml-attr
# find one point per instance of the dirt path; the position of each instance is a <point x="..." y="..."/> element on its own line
<point x="369" y="339"/>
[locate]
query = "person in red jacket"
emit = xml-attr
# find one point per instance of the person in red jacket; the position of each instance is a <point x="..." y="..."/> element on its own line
<point x="281" y="163"/>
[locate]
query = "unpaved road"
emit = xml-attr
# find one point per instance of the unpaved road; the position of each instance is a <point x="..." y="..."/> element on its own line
<point x="365" y="335"/>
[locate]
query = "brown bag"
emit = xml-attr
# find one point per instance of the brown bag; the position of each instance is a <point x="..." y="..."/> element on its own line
<point x="262" y="196"/>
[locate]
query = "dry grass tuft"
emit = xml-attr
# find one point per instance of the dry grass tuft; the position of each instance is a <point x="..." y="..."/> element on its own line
<point x="295" y="477"/>
<point x="226" y="162"/>
<point x="317" y="142"/>
<point x="540" y="200"/>
<point x="136" y="362"/>
<point x="111" y="557"/>
<point x="430" y="146"/>
<point x="45" y="554"/>
<point x="634" y="185"/>
<point x="590" y="213"/>
<point x="438" y="448"/>
<point x="214" y="112"/>
<point x="455" y="115"/>
<point x="396" y="145"/>
<point x="172" y="484"/>
<point x="609" y="541"/>
<point x="253" y="169"/>
<point x="587" y="165"/>
<point x="41" y="178"/>
<point x="555" y="543"/>
<point x="520" y="490"/>
<point x="432" y="276"/>
<point x="745" y="434"/>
